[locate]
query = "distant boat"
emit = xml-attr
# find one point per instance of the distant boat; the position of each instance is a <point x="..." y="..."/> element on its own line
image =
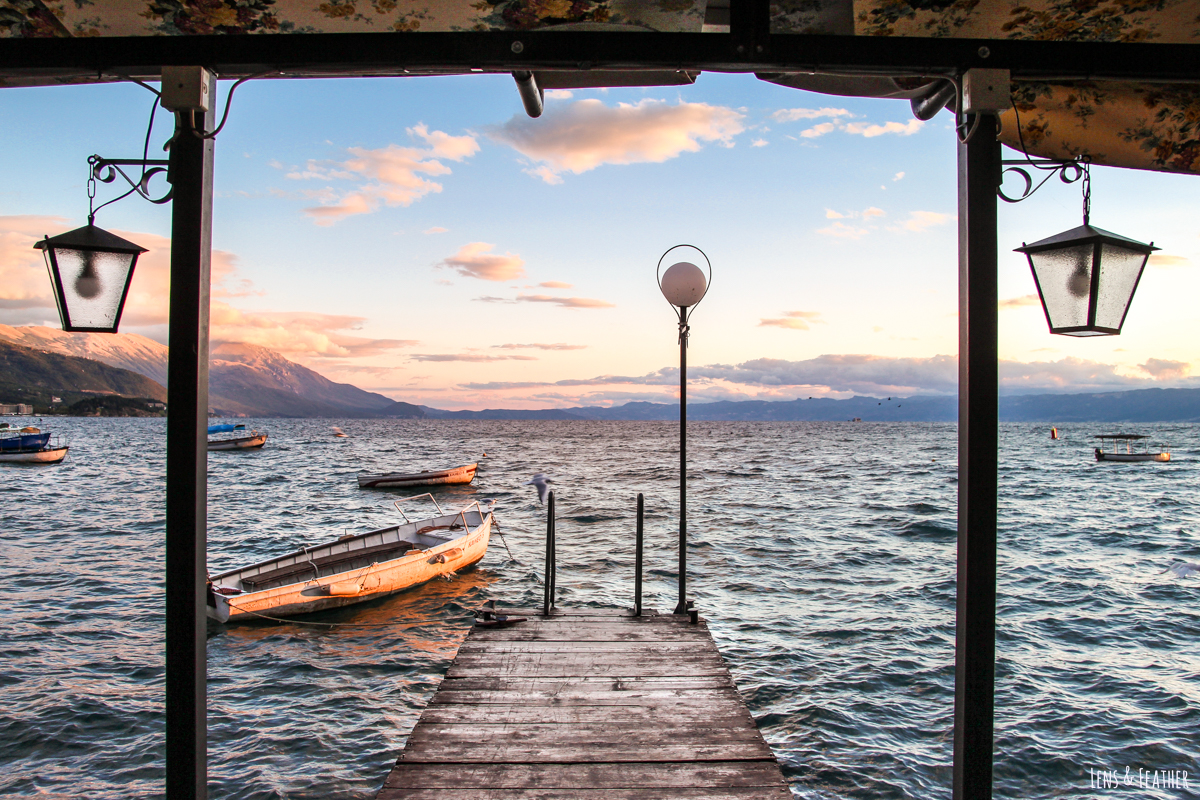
<point x="397" y="480"/>
<point x="353" y="569"/>
<point x="338" y="432"/>
<point x="241" y="440"/>
<point x="1131" y="452"/>
<point x="29" y="446"/>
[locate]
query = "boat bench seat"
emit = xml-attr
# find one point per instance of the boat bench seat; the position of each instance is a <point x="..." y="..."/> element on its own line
<point x="326" y="561"/>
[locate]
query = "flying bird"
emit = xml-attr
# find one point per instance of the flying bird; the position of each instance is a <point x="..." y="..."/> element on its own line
<point x="543" y="486"/>
<point x="1183" y="569"/>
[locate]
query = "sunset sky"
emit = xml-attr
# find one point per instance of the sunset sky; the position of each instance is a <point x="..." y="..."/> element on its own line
<point x="423" y="238"/>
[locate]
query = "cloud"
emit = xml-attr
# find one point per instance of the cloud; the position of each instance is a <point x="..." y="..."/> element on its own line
<point x="555" y="285"/>
<point x="840" y="230"/>
<point x="831" y="214"/>
<point x="540" y="346"/>
<point x="1166" y="370"/>
<point x="471" y="357"/>
<point x="565" y="302"/>
<point x="392" y="175"/>
<point x="435" y="229"/>
<point x="899" y="176"/>
<point x="876" y="376"/>
<point x="587" y="134"/>
<point x="873" y="212"/>
<point x="1020" y="302"/>
<point x="921" y="221"/>
<point x="759" y="143"/>
<point x="795" y="320"/>
<point x="818" y="130"/>
<point x="1168" y="261"/>
<point x="870" y="131"/>
<point x="25" y="298"/>
<point x="299" y="334"/>
<point x="473" y="261"/>
<point x="793" y="114"/>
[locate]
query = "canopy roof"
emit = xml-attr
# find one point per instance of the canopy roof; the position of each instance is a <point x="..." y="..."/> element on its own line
<point x="1115" y="80"/>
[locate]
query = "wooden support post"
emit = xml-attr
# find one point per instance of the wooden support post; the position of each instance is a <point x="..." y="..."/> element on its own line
<point x="975" y="632"/>
<point x="187" y="460"/>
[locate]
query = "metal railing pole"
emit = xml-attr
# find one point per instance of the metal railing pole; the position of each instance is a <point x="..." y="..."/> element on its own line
<point x="546" y="571"/>
<point x="637" y="570"/>
<point x="553" y="552"/>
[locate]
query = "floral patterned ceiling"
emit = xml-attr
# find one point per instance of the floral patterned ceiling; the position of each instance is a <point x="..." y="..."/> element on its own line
<point x="1137" y="125"/>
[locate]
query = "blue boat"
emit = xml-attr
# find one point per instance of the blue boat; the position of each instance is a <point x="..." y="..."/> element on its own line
<point x="241" y="440"/>
<point x="29" y="446"/>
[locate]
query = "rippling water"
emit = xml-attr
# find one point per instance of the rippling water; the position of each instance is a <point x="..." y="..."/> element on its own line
<point x="822" y="554"/>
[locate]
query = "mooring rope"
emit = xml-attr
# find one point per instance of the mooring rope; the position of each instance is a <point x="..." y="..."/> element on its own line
<point x="336" y="624"/>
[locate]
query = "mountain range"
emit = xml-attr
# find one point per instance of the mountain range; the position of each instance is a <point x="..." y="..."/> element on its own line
<point x="245" y="379"/>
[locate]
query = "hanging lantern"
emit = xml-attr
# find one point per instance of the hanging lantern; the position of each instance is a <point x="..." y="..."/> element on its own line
<point x="1086" y="278"/>
<point x="91" y="270"/>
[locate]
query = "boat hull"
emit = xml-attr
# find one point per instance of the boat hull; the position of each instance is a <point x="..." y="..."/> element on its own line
<point x="415" y="568"/>
<point x="241" y="443"/>
<point x="1132" y="457"/>
<point x="48" y="455"/>
<point x="397" y="480"/>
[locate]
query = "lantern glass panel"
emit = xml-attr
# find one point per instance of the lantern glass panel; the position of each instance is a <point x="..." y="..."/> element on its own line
<point x="1065" y="278"/>
<point x="1120" y="268"/>
<point x="93" y="285"/>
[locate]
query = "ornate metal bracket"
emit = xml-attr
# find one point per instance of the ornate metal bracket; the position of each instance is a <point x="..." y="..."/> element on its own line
<point x="106" y="170"/>
<point x="1067" y="171"/>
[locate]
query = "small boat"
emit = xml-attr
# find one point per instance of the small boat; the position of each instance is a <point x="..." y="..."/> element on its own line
<point x="241" y="440"/>
<point x="397" y="480"/>
<point x="30" y="445"/>
<point x="354" y="569"/>
<point x="339" y="433"/>
<point x="1131" y="451"/>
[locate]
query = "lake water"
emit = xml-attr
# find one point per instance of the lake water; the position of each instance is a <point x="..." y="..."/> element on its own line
<point x="822" y="555"/>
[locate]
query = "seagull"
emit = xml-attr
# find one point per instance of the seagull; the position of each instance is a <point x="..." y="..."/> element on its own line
<point x="543" y="486"/>
<point x="1183" y="569"/>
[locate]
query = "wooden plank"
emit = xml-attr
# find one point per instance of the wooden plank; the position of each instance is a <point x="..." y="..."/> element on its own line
<point x="483" y="793"/>
<point x="588" y="706"/>
<point x="644" y="775"/>
<point x="629" y="649"/>
<point x="724" y="711"/>
<point x="570" y="686"/>
<point x="553" y="749"/>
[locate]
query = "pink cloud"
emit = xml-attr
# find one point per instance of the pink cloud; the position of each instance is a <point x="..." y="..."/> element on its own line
<point x="473" y="261"/>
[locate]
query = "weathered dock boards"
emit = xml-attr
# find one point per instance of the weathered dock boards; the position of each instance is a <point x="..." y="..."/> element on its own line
<point x="586" y="705"/>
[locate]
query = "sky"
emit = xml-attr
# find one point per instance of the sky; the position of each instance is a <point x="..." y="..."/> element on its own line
<point x="424" y="239"/>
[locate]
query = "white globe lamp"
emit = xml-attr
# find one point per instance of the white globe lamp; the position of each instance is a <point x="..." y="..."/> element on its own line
<point x="683" y="284"/>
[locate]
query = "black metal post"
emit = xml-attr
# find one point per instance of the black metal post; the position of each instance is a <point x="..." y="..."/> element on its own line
<point x="681" y="607"/>
<point x="975" y="631"/>
<point x="553" y="552"/>
<point x="637" y="561"/>
<point x="548" y="587"/>
<point x="187" y="462"/>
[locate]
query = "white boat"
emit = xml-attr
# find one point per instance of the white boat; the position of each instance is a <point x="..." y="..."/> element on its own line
<point x="1131" y="453"/>
<point x="30" y="445"/>
<point x="354" y="569"/>
<point x="240" y="440"/>
<point x="397" y="480"/>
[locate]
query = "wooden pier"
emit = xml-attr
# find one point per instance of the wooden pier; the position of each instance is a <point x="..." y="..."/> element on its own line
<point x="587" y="705"/>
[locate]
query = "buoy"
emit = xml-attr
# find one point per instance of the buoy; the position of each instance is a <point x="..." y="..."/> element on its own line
<point x="1054" y="433"/>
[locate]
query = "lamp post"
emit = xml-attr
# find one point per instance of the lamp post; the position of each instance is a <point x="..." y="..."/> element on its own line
<point x="684" y="285"/>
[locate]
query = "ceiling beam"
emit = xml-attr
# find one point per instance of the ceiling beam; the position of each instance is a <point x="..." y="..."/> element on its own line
<point x="350" y="54"/>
